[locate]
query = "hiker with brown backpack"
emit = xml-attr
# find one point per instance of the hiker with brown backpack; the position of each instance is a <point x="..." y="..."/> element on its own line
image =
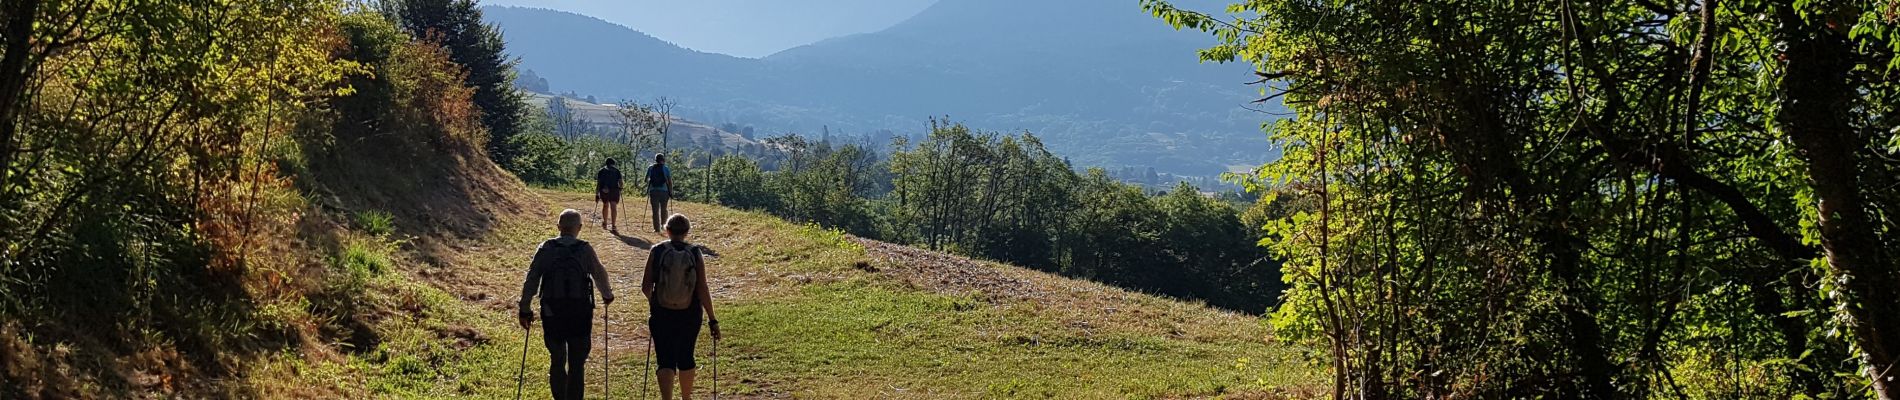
<point x="565" y="272"/>
<point x="675" y="285"/>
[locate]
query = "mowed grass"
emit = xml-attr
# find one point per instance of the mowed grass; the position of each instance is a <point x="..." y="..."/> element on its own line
<point x="861" y="339"/>
<point x="807" y="313"/>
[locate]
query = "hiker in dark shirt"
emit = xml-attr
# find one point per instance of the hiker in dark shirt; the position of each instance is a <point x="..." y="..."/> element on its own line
<point x="607" y="184"/>
<point x="659" y="188"/>
<point x="565" y="272"/>
<point x="675" y="285"/>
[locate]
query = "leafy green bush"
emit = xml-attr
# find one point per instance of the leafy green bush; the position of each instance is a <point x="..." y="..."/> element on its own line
<point x="541" y="158"/>
<point x="141" y="202"/>
<point x="738" y="182"/>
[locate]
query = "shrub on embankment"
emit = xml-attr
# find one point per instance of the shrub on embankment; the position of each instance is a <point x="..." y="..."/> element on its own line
<point x="180" y="181"/>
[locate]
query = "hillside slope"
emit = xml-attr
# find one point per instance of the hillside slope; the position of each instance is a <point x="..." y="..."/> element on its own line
<point x="810" y="313"/>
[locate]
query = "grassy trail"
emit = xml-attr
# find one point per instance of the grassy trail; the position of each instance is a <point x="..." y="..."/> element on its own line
<point x="810" y="313"/>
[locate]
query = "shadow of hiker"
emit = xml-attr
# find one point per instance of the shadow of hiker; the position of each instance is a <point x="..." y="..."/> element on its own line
<point x="635" y="241"/>
<point x="643" y="244"/>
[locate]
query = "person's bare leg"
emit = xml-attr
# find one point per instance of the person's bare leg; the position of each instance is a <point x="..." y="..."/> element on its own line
<point x="603" y="214"/>
<point x="613" y="216"/>
<point x="666" y="384"/>
<point x="686" y="383"/>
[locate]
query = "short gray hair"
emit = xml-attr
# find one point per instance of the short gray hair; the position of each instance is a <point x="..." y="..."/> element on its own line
<point x="570" y="219"/>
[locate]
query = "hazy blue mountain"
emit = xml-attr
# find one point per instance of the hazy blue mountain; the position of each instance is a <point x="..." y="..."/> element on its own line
<point x="590" y="56"/>
<point x="745" y="28"/>
<point x="1100" y="81"/>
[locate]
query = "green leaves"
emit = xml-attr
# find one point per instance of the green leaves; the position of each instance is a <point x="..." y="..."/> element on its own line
<point x="1893" y="142"/>
<point x="457" y="26"/>
<point x="1446" y="158"/>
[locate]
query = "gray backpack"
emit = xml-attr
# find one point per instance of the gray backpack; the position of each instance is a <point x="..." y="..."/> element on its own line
<point x="676" y="275"/>
<point x="565" y="276"/>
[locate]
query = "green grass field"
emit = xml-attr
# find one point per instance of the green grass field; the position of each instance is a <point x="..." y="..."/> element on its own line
<point x="807" y="313"/>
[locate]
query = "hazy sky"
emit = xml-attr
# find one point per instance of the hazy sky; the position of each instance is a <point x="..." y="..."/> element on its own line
<point x="745" y="28"/>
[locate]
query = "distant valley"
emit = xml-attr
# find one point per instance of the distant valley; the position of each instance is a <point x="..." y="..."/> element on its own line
<point x="1101" y="82"/>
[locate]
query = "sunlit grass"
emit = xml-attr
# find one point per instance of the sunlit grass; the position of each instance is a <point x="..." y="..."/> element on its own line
<point x="802" y="320"/>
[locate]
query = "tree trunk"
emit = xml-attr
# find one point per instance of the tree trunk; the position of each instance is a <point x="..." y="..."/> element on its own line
<point x="14" y="71"/>
<point x="1816" y="96"/>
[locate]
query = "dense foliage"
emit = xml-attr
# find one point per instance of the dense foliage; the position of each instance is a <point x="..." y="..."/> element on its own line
<point x="161" y="212"/>
<point x="139" y="162"/>
<point x="1584" y="199"/>
<point x="142" y="149"/>
<point x="457" y="26"/>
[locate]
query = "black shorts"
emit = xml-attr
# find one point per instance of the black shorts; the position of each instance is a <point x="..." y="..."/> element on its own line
<point x="675" y="332"/>
<point x="609" y="195"/>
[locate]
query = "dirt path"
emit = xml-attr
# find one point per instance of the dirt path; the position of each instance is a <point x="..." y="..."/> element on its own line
<point x="624" y="336"/>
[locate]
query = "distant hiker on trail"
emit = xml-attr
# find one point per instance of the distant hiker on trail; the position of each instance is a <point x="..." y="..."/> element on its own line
<point x="659" y="188"/>
<point x="675" y="285"/>
<point x="607" y="184"/>
<point x="565" y="271"/>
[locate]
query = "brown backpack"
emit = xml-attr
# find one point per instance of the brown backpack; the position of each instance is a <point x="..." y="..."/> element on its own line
<point x="676" y="275"/>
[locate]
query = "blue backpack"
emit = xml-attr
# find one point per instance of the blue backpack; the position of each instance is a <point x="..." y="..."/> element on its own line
<point x="657" y="177"/>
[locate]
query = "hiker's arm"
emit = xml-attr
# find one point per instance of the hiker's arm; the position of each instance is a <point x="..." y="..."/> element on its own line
<point x="646" y="274"/>
<point x="705" y="291"/>
<point x="530" y="286"/>
<point x="600" y="276"/>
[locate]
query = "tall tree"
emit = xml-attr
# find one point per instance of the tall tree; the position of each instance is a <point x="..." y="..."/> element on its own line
<point x="457" y="25"/>
<point x="645" y="124"/>
<point x="1835" y="134"/>
<point x="1598" y="183"/>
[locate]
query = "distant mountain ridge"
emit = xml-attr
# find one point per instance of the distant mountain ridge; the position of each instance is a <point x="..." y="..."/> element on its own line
<point x="1101" y="82"/>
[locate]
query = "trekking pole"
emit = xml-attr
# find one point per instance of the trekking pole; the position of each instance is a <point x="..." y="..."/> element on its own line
<point x="606" y="353"/>
<point x="521" y="375"/>
<point x="715" y="391"/>
<point x="646" y="365"/>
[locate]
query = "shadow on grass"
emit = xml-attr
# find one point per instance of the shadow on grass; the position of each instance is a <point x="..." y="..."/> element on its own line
<point x="634" y="241"/>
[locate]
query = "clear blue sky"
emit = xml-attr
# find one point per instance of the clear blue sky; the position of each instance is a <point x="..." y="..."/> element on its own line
<point x="745" y="28"/>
